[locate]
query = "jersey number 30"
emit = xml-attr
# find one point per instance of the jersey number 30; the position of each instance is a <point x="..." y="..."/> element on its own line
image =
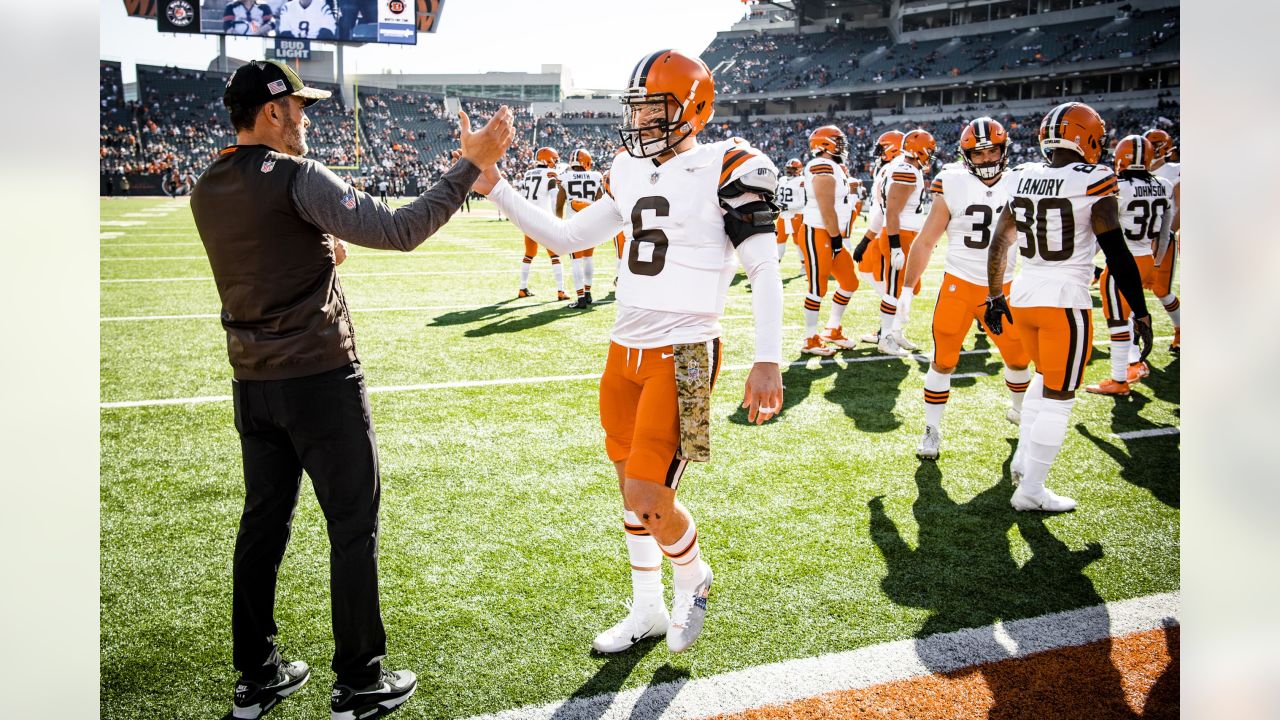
<point x="1038" y="234"/>
<point x="639" y="234"/>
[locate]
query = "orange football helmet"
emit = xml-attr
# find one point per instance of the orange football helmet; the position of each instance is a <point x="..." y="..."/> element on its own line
<point x="1160" y="141"/>
<point x="1073" y="126"/>
<point x="984" y="132"/>
<point x="1134" y="152"/>
<point x="546" y="156"/>
<point x="581" y="158"/>
<point x="794" y="167"/>
<point x="889" y="145"/>
<point x="829" y="139"/>
<point x="679" y="85"/>
<point x="919" y="145"/>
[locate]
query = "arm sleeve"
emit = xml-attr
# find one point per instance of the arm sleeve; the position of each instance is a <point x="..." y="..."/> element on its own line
<point x="324" y="200"/>
<point x="876" y="222"/>
<point x="1124" y="269"/>
<point x="597" y="223"/>
<point x="759" y="257"/>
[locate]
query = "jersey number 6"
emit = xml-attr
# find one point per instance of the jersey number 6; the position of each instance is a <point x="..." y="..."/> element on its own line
<point x="653" y="266"/>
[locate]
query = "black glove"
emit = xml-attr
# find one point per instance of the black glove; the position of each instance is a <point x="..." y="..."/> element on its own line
<point x="861" y="250"/>
<point x="996" y="307"/>
<point x="837" y="244"/>
<point x="1143" y="334"/>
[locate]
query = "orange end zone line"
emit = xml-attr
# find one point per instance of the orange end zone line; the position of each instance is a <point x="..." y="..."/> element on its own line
<point x="955" y="654"/>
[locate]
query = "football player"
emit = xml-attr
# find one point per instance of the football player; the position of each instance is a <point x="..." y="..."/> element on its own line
<point x="686" y="209"/>
<point x="867" y="254"/>
<point x="247" y="17"/>
<point x="1062" y="212"/>
<point x="1167" y="249"/>
<point x="316" y="19"/>
<point x="579" y="187"/>
<point x="791" y="199"/>
<point x="823" y="247"/>
<point x="967" y="198"/>
<point x="904" y="199"/>
<point x="1145" y="213"/>
<point x="540" y="187"/>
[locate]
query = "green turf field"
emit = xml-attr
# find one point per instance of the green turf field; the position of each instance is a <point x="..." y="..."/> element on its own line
<point x="501" y="547"/>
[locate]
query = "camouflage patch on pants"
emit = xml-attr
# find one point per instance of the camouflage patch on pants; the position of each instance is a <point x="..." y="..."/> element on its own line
<point x="693" y="393"/>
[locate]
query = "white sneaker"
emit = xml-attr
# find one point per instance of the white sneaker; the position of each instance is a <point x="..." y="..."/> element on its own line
<point x="1046" y="501"/>
<point x="1013" y="415"/>
<point x="903" y="342"/>
<point x="814" y="345"/>
<point x="640" y="623"/>
<point x="889" y="346"/>
<point x="872" y="338"/>
<point x="688" y="611"/>
<point x="929" y="443"/>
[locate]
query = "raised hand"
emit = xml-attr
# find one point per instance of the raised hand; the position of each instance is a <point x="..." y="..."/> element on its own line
<point x="486" y="146"/>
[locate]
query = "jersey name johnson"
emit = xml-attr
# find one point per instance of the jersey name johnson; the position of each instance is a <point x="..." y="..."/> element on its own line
<point x="1146" y="205"/>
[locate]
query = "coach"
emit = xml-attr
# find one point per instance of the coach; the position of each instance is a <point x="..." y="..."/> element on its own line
<point x="266" y="216"/>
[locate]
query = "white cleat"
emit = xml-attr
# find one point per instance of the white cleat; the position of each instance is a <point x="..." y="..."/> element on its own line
<point x="814" y="345"/>
<point x="890" y="347"/>
<point x="688" y="611"/>
<point x="1046" y="501"/>
<point x="929" y="443"/>
<point x="1013" y="415"/>
<point x="640" y="623"/>
<point x="903" y="342"/>
<point x="871" y="338"/>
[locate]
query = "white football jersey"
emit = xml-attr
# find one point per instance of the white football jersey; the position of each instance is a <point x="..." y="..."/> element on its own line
<point x="1146" y="206"/>
<point x="823" y="166"/>
<point x="901" y="172"/>
<point x="538" y="185"/>
<point x="974" y="207"/>
<point x="580" y="185"/>
<point x="877" y="187"/>
<point x="791" y="195"/>
<point x="307" y="22"/>
<point x="678" y="261"/>
<point x="1053" y="210"/>
<point x="1170" y="171"/>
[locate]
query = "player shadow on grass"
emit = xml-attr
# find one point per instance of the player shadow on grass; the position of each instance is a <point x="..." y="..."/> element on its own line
<point x="1150" y="463"/>
<point x="594" y="698"/>
<point x="964" y="572"/>
<point x="868" y="392"/>
<point x="506" y="323"/>
<point x="797" y="383"/>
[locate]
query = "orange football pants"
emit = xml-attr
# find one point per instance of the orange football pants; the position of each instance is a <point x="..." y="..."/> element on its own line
<point x="893" y="278"/>
<point x="618" y="242"/>
<point x="1161" y="282"/>
<point x="640" y="413"/>
<point x="1114" y="307"/>
<point x="819" y="265"/>
<point x="1059" y="342"/>
<point x="872" y="262"/>
<point x="791" y="227"/>
<point x="531" y="248"/>
<point x="589" y="252"/>
<point x="960" y="302"/>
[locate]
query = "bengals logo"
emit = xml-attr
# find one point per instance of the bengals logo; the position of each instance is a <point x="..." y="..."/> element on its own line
<point x="396" y="6"/>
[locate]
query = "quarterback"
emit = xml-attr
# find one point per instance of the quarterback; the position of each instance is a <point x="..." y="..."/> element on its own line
<point x="1062" y="212"/>
<point x="686" y="209"/>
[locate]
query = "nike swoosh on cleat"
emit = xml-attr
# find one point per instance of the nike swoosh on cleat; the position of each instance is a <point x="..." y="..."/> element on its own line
<point x="665" y="356"/>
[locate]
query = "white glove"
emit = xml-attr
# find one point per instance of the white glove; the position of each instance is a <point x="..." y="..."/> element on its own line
<point x="897" y="258"/>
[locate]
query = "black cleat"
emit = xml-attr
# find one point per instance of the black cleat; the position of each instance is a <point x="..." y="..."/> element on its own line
<point x="375" y="701"/>
<point x="253" y="700"/>
<point x="524" y="293"/>
<point x="587" y="298"/>
<point x="582" y="303"/>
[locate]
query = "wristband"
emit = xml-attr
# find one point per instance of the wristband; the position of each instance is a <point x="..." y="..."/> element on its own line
<point x="895" y="242"/>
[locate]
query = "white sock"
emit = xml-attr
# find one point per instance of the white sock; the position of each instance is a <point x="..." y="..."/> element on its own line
<point x="888" y="311"/>
<point x="903" y="313"/>
<point x="646" y="585"/>
<point x="558" y="271"/>
<point x="1032" y="401"/>
<point x="1171" y="306"/>
<point x="812" y="305"/>
<point x="877" y="284"/>
<point x="937" y="390"/>
<point x="838" y="305"/>
<point x="588" y="271"/>
<point x="524" y="273"/>
<point x="782" y="250"/>
<point x="686" y="571"/>
<point x="1121" y="340"/>
<point x="577" y="274"/>
<point x="1017" y="381"/>
<point x="1045" y="442"/>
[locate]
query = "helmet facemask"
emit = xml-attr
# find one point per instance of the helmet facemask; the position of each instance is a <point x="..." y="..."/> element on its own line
<point x="635" y="102"/>
<point x="990" y="170"/>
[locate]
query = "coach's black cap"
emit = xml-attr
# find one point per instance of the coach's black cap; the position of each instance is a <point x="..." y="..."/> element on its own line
<point x="262" y="81"/>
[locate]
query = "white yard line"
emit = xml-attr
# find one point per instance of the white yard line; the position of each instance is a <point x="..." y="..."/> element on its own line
<point x="344" y="275"/>
<point x="121" y="223"/>
<point x="794" y="680"/>
<point x="501" y="381"/>
<point x="1154" y="432"/>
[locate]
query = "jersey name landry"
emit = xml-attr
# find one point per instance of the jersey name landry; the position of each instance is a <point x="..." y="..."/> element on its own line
<point x="677" y="256"/>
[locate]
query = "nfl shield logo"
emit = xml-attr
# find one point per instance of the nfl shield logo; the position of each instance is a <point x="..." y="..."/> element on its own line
<point x="268" y="165"/>
<point x="349" y="200"/>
